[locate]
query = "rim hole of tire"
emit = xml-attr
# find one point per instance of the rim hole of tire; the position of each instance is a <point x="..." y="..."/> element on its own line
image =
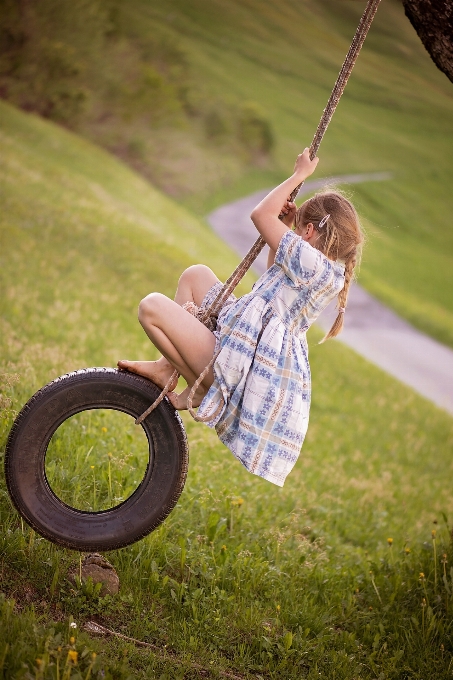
<point x="96" y="459"/>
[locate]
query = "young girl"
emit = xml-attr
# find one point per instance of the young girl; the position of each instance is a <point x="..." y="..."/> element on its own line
<point x="259" y="387"/>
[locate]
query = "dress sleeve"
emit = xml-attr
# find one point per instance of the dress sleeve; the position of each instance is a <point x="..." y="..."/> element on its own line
<point x="298" y="259"/>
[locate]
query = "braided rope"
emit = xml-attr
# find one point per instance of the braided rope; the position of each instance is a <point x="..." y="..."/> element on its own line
<point x="209" y="316"/>
<point x="160" y="398"/>
<point x="195" y="386"/>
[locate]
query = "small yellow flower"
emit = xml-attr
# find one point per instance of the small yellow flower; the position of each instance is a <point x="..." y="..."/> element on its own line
<point x="423" y="602"/>
<point x="71" y="640"/>
<point x="390" y="541"/>
<point x="223" y="548"/>
<point x="433" y="533"/>
<point x="278" y="607"/>
<point x="104" y="429"/>
<point x="73" y="656"/>
<point x="93" y="656"/>
<point x="421" y="575"/>
<point x="38" y="662"/>
<point x="109" y="454"/>
<point x="407" y="550"/>
<point x="370" y="608"/>
<point x="240" y="501"/>
<point x="92" y="467"/>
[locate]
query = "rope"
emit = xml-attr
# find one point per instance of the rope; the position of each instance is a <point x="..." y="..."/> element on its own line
<point x="209" y="316"/>
<point x="195" y="386"/>
<point x="160" y="398"/>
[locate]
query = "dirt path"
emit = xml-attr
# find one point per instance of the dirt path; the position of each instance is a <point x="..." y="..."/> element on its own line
<point x="371" y="328"/>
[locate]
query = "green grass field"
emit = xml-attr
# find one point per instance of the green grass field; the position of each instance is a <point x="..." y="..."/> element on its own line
<point x="243" y="577"/>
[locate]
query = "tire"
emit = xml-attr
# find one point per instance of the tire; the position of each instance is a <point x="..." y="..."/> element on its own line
<point x="152" y="500"/>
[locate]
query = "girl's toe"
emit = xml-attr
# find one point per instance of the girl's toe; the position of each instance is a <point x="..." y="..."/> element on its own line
<point x="127" y="366"/>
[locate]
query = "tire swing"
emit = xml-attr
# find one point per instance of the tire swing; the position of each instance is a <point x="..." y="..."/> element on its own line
<point x="107" y="388"/>
<point x="130" y="520"/>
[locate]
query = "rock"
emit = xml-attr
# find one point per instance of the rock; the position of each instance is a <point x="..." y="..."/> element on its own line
<point x="97" y="568"/>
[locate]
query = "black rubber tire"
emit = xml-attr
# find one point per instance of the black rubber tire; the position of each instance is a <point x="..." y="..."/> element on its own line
<point x="151" y="502"/>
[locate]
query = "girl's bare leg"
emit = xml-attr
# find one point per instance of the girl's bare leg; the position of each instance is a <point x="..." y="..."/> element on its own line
<point x="193" y="285"/>
<point x="184" y="341"/>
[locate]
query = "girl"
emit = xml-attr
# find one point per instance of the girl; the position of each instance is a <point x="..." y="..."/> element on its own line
<point x="261" y="377"/>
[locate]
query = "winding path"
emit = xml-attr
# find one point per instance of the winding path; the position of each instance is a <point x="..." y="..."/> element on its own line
<point x="371" y="328"/>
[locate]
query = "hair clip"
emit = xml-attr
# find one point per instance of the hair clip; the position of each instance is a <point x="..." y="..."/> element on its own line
<point x="323" y="221"/>
<point x="341" y="310"/>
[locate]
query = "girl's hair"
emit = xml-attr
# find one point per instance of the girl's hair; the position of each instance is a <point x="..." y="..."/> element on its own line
<point x="340" y="238"/>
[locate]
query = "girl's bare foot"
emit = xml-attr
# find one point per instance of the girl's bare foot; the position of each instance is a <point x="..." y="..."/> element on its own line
<point x="179" y="401"/>
<point x="159" y="371"/>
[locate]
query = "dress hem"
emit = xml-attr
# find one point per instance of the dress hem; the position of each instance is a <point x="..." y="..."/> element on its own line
<point x="268" y="477"/>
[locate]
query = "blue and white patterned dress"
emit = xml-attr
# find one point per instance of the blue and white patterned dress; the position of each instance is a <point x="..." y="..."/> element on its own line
<point x="262" y="372"/>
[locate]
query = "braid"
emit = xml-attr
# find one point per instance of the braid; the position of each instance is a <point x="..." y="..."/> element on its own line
<point x="331" y="238"/>
<point x="337" y="326"/>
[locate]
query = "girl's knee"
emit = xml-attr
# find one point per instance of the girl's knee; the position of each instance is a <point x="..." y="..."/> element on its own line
<point x="195" y="272"/>
<point x="149" y="306"/>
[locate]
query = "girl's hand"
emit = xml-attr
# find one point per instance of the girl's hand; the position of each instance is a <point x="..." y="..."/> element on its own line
<point x="304" y="167"/>
<point x="289" y="213"/>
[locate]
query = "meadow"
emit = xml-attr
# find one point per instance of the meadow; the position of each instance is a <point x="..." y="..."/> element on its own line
<point x="213" y="100"/>
<point x="344" y="573"/>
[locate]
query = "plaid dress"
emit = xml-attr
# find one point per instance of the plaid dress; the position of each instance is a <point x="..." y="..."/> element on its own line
<point x="262" y="373"/>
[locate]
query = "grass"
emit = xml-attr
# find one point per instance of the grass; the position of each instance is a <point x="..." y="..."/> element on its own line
<point x="109" y="459"/>
<point x="243" y="577"/>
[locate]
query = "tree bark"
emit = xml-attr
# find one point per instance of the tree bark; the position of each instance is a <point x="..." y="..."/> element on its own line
<point x="433" y="21"/>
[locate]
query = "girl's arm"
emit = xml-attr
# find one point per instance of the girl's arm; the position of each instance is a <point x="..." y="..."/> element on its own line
<point x="265" y="215"/>
<point x="270" y="258"/>
<point x="289" y="212"/>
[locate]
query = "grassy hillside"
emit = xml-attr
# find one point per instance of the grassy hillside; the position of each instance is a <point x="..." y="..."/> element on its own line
<point x="189" y="92"/>
<point x="243" y="577"/>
